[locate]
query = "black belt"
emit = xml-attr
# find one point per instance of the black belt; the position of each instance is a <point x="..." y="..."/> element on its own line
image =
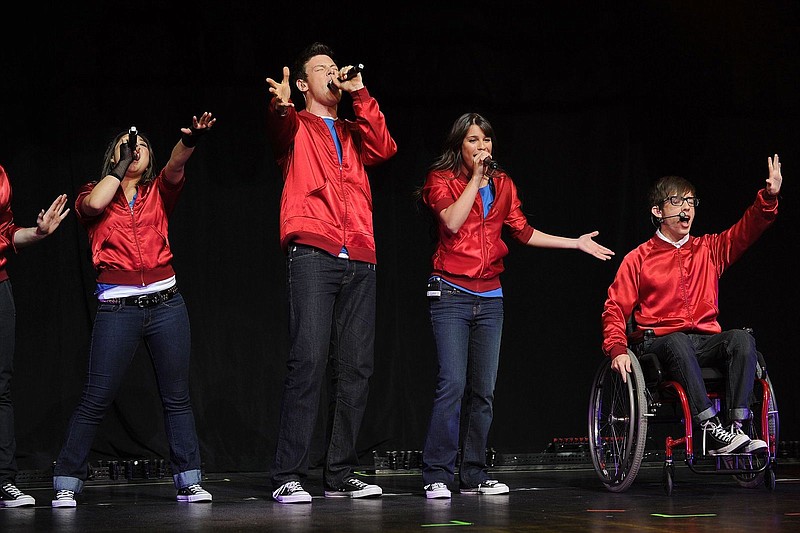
<point x="145" y="300"/>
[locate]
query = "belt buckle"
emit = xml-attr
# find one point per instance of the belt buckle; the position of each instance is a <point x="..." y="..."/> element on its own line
<point x="142" y="301"/>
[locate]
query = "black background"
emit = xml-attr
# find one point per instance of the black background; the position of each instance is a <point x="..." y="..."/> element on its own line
<point x="590" y="101"/>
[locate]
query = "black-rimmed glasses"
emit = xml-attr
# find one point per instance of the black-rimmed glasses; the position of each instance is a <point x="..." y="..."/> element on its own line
<point x="678" y="200"/>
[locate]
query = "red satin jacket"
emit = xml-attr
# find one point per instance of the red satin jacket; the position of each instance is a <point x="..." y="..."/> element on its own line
<point x="325" y="204"/>
<point x="473" y="257"/>
<point x="669" y="289"/>
<point x="131" y="247"/>
<point x="7" y="226"/>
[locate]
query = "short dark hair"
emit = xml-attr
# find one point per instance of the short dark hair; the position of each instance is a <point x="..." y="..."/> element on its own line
<point x="314" y="49"/>
<point x="666" y="186"/>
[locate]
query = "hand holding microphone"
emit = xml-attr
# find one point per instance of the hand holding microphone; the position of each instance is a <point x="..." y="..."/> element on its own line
<point x="490" y="166"/>
<point x="127" y="154"/>
<point x="351" y="73"/>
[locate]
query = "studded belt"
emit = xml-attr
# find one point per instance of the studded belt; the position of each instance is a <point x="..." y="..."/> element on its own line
<point x="145" y="300"/>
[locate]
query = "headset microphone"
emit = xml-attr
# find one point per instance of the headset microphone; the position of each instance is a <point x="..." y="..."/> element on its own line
<point x="683" y="217"/>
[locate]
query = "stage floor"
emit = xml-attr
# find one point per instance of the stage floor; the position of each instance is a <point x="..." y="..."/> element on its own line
<point x="558" y="499"/>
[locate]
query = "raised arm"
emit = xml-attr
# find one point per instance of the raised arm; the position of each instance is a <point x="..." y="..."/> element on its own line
<point x="185" y="147"/>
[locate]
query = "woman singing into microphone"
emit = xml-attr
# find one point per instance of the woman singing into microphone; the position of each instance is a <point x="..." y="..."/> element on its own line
<point x="471" y="200"/>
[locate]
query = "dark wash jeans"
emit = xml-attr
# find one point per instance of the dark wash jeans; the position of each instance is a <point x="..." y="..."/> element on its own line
<point x="732" y="351"/>
<point x="8" y="446"/>
<point x="468" y="330"/>
<point x="331" y="321"/>
<point x="118" y="331"/>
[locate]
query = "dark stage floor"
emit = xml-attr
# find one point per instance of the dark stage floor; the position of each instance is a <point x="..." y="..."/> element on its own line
<point x="541" y="499"/>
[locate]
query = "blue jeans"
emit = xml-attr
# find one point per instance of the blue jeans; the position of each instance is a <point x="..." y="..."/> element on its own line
<point x="331" y="322"/>
<point x="8" y="444"/>
<point x="468" y="330"/>
<point x="118" y="331"/>
<point x="733" y="352"/>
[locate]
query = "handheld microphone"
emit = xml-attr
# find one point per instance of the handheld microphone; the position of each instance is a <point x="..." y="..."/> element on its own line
<point x="352" y="73"/>
<point x="133" y="138"/>
<point x="490" y="165"/>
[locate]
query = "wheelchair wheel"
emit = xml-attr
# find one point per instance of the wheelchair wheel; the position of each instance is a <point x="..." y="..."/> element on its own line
<point x="617" y="425"/>
<point x="767" y="477"/>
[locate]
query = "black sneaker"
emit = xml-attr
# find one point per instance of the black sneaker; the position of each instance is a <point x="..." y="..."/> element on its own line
<point x="719" y="440"/>
<point x="490" y="486"/>
<point x="64" y="498"/>
<point x="193" y="494"/>
<point x="354" y="488"/>
<point x="11" y="496"/>
<point x="291" y="492"/>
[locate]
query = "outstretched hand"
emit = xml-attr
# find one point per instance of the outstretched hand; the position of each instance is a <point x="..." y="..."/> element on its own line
<point x="586" y="244"/>
<point x="198" y="128"/>
<point x="775" y="179"/>
<point x="282" y="92"/>
<point x="48" y="221"/>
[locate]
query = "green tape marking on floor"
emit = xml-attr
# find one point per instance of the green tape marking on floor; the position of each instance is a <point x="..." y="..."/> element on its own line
<point x="450" y="523"/>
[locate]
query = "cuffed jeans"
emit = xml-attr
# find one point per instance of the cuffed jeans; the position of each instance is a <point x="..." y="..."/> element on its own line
<point x="8" y="445"/>
<point x="118" y="331"/>
<point x="733" y="352"/>
<point x="468" y="330"/>
<point x="331" y="321"/>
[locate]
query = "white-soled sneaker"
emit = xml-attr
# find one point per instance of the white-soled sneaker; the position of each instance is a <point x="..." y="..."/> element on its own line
<point x="718" y="440"/>
<point x="354" y="488"/>
<point x="436" y="490"/>
<point x="64" y="498"/>
<point x="291" y="492"/>
<point x="490" y="486"/>
<point x="11" y="496"/>
<point x="755" y="445"/>
<point x="194" y="494"/>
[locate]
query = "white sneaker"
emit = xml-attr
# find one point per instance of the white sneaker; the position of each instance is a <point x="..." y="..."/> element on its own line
<point x="64" y="498"/>
<point x="490" y="486"/>
<point x="436" y="490"/>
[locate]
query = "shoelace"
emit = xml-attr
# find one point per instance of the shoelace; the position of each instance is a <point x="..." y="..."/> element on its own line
<point x="357" y="483"/>
<point x="720" y="433"/>
<point x="64" y="495"/>
<point x="12" y="490"/>
<point x="436" y="486"/>
<point x="194" y="488"/>
<point x="292" y="486"/>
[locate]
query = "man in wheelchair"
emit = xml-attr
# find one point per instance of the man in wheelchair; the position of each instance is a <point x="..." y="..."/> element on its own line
<point x="670" y="285"/>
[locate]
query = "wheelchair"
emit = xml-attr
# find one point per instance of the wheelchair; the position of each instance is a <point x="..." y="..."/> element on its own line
<point x="621" y="413"/>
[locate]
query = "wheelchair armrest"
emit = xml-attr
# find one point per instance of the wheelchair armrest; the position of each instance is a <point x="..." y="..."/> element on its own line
<point x="651" y="369"/>
<point x="638" y="336"/>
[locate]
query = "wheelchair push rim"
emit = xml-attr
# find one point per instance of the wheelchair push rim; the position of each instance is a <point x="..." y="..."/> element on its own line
<point x="617" y="425"/>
